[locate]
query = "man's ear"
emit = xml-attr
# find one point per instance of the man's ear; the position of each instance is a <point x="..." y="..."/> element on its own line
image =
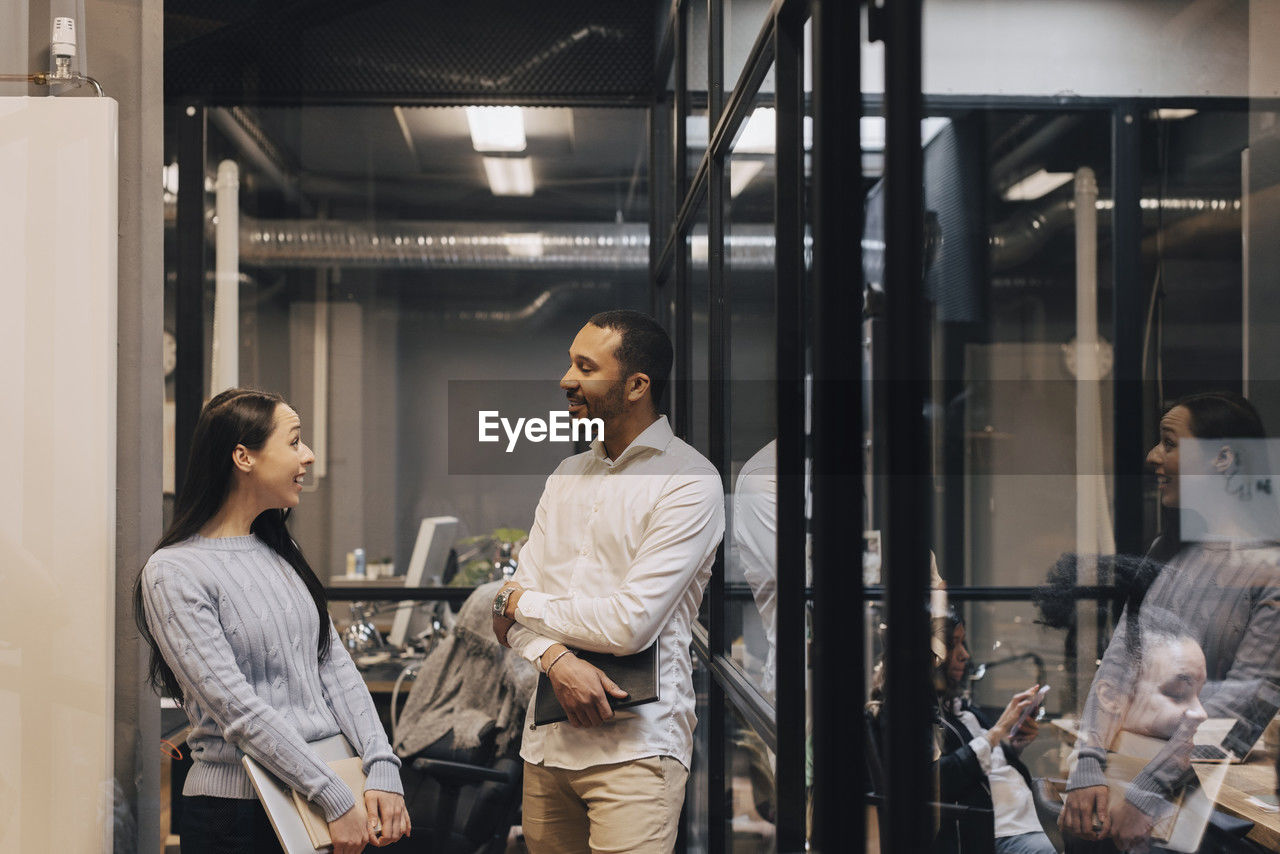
<point x="242" y="459"/>
<point x="637" y="385"/>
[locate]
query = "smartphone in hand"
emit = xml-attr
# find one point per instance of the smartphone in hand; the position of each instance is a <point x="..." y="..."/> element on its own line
<point x="1030" y="709"/>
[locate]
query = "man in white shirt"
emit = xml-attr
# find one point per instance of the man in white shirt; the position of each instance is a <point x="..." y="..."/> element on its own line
<point x="618" y="559"/>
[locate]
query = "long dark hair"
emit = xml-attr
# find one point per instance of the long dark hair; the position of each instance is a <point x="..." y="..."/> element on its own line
<point x="238" y="416"/>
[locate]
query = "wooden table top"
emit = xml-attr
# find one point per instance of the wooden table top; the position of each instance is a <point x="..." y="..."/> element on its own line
<point x="1241" y="782"/>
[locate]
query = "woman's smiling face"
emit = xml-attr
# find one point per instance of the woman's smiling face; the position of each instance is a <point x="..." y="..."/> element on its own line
<point x="1163" y="458"/>
<point x="282" y="461"/>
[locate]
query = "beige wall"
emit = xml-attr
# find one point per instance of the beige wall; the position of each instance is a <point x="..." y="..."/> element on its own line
<point x="58" y="236"/>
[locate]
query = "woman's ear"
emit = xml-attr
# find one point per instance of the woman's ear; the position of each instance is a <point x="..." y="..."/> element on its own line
<point x="1225" y="461"/>
<point x="242" y="459"/>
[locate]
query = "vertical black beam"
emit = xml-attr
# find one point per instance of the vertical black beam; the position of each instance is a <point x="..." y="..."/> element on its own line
<point x="715" y="62"/>
<point x="908" y="657"/>
<point x="188" y="381"/>
<point x="681" y="399"/>
<point x="718" y="422"/>
<point x="718" y="369"/>
<point x="1128" y="302"/>
<point x="789" y="219"/>
<point x="838" y="761"/>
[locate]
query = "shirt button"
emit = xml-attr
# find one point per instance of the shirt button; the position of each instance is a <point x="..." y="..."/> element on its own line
<point x="532" y="727"/>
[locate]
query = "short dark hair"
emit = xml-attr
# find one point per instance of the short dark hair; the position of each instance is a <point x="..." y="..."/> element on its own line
<point x="1222" y="415"/>
<point x="645" y="348"/>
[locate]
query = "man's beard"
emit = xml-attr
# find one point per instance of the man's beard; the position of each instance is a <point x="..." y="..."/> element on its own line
<point x="609" y="406"/>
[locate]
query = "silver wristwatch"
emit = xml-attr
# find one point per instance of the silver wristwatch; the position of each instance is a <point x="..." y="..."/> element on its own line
<point x="500" y="601"/>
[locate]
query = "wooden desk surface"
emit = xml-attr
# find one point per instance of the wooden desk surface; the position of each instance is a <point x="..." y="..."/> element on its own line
<point x="1243" y="781"/>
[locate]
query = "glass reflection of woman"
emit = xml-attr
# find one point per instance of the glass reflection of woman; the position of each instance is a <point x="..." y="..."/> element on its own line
<point x="1222" y="591"/>
<point x="240" y="633"/>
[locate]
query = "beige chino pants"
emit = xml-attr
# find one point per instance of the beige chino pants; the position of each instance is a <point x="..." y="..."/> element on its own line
<point x="631" y="807"/>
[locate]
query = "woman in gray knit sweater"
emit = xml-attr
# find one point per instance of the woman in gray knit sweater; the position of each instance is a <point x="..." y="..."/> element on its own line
<point x="1222" y="591"/>
<point x="240" y="633"/>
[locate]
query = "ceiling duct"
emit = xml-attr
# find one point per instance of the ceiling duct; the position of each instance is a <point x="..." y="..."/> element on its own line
<point x="1016" y="239"/>
<point x="478" y="245"/>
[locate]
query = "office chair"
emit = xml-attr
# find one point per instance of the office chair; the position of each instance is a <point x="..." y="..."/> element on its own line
<point x="462" y="801"/>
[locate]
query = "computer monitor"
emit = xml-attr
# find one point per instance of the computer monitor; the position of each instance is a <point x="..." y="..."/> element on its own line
<point x="426" y="566"/>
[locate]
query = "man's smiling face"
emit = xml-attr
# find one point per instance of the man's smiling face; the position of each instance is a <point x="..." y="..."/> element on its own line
<point x="594" y="382"/>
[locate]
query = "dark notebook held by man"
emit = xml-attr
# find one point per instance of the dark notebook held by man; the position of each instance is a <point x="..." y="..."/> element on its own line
<point x="636" y="674"/>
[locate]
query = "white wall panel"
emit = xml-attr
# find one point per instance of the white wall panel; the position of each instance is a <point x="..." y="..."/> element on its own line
<point x="58" y="243"/>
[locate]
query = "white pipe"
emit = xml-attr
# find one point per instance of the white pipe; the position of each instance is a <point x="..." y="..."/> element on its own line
<point x="1093" y="517"/>
<point x="320" y="381"/>
<point x="226" y="302"/>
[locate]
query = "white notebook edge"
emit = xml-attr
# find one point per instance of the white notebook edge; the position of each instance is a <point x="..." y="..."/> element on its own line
<point x="277" y="798"/>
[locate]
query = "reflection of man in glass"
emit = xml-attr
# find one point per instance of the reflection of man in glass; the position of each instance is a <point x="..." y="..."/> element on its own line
<point x="754" y="546"/>
<point x="618" y="557"/>
<point x="1223" y="592"/>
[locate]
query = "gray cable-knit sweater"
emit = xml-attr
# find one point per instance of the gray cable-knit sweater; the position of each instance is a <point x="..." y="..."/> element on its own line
<point x="238" y="628"/>
<point x="1227" y="598"/>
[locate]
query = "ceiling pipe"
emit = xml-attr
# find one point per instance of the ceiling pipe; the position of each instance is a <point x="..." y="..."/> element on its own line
<point x="478" y="245"/>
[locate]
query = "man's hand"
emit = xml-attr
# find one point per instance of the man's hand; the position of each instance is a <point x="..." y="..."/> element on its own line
<point x="1131" y="828"/>
<point x="502" y="625"/>
<point x="583" y="691"/>
<point x="1086" y="813"/>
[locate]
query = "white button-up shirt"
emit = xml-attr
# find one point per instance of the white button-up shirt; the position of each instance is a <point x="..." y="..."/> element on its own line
<point x="618" y="558"/>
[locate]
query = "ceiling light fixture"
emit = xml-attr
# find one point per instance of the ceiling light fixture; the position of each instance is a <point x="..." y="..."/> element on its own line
<point x="1168" y="114"/>
<point x="509" y="176"/>
<point x="496" y="128"/>
<point x="1035" y="185"/>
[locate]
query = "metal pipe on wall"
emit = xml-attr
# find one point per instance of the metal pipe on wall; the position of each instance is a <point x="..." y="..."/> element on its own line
<point x="226" y="302"/>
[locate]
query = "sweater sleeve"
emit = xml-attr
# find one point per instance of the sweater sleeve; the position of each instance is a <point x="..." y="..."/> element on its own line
<point x="1104" y="710"/>
<point x="183" y="619"/>
<point x="349" y="698"/>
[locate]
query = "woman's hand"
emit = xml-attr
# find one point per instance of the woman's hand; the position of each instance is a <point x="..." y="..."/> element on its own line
<point x="1026" y="733"/>
<point x="350" y="835"/>
<point x="1009" y="717"/>
<point x="388" y="817"/>
<point x="1085" y="814"/>
<point x="1131" y="828"/>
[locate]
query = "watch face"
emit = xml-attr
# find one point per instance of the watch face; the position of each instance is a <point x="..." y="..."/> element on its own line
<point x="500" y="603"/>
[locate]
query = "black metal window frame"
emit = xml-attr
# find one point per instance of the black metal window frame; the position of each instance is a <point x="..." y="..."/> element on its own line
<point x="781" y="725"/>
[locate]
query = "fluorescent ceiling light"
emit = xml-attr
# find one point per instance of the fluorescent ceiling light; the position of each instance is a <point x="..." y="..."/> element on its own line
<point x="509" y="176"/>
<point x="740" y="174"/>
<point x="496" y="128"/>
<point x="1035" y="185"/>
<point x="1172" y="113"/>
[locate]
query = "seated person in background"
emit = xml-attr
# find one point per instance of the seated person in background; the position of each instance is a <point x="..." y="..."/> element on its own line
<point x="978" y="764"/>
<point x="1167" y="695"/>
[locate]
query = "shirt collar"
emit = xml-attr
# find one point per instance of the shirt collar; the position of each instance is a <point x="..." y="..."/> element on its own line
<point x="655" y="437"/>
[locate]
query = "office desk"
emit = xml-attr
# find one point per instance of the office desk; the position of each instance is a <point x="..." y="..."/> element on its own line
<point x="1243" y="781"/>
